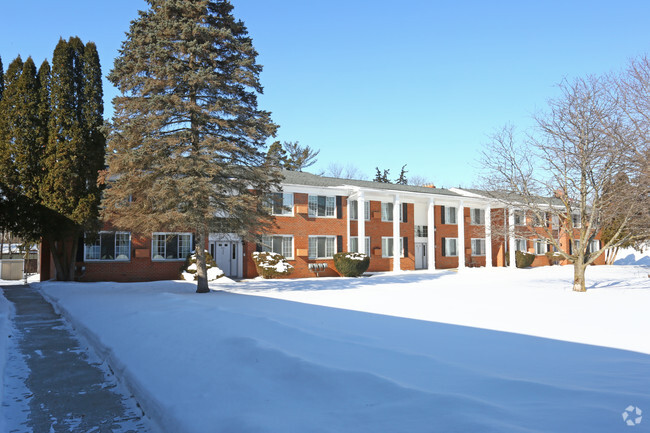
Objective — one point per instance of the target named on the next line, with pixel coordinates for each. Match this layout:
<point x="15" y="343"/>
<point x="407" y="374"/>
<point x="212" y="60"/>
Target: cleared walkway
<point x="51" y="385"/>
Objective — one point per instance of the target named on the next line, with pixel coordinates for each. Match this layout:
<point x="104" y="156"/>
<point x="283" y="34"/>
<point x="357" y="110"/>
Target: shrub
<point x="271" y="265"/>
<point x="351" y="264"/>
<point x="523" y="259"/>
<point x="553" y="258"/>
<point x="188" y="272"/>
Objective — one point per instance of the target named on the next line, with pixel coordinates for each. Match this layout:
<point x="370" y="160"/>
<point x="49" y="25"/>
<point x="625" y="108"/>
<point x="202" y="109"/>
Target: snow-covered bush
<point x="189" y="270"/>
<point x="523" y="259"/>
<point x="271" y="265"/>
<point x="554" y="258"/>
<point x="351" y="264"/>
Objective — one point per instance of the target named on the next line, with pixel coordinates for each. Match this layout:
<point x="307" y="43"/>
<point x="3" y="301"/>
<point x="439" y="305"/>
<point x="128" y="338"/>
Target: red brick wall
<point x="444" y="231"/>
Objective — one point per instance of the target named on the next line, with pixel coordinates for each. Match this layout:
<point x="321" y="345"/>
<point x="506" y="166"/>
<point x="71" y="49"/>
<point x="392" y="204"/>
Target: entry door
<point x="421" y="255"/>
<point x="223" y="257"/>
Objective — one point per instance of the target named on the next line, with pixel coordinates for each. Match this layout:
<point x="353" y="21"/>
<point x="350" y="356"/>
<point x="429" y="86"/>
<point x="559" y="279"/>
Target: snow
<point x="485" y="350"/>
<point x="5" y="331"/>
<point x="630" y="256"/>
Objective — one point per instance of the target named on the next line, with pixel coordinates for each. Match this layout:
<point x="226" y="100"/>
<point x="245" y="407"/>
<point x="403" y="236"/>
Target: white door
<point x="222" y="256"/>
<point x="421" y="255"/>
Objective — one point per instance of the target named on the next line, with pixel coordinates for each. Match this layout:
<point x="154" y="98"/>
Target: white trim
<point x="310" y="257"/>
<point x="292" y="256"/>
<point x="154" y="259"/>
<point x="86" y="247"/>
<point x="484" y="246"/>
<point x="288" y="214"/>
<point x="326" y="197"/>
<point x="401" y="247"/>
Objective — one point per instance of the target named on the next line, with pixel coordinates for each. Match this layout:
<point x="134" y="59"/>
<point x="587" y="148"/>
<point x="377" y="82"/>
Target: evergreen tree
<point x="2" y="79"/>
<point x="402" y="180"/>
<point x="74" y="152"/>
<point x="299" y="157"/>
<point x="276" y="155"/>
<point x="187" y="135"/>
<point x="382" y="176"/>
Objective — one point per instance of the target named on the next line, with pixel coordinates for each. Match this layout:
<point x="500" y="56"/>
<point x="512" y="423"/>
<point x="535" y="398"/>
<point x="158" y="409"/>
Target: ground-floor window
<point x="387" y="247"/>
<point x="593" y="246"/>
<point x="354" y="244"/>
<point x="521" y="245"/>
<point x="281" y="244"/>
<point x="322" y="247"/>
<point x="540" y="247"/>
<point x="171" y="246"/>
<point x="449" y="247"/>
<point x="478" y="247"/>
<point x="109" y="246"/>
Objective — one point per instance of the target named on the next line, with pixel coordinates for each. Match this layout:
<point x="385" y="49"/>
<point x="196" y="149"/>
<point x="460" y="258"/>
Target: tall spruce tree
<point x="2" y="79"/>
<point x="74" y="153"/>
<point x="187" y="136"/>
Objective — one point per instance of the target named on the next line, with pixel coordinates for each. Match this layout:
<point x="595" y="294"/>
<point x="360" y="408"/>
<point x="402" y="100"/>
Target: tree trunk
<point x="202" y="269"/>
<point x="579" y="277"/>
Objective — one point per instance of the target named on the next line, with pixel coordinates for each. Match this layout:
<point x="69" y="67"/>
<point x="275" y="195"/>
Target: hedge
<point x="271" y="265"/>
<point x="351" y="264"/>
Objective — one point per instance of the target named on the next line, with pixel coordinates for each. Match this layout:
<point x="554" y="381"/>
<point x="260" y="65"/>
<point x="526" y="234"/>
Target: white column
<point x="396" y="235"/>
<point x="511" y="237"/>
<point x="348" y="225"/>
<point x="431" y="239"/>
<point x="488" y="237"/>
<point x="460" y="220"/>
<point x="361" y="223"/>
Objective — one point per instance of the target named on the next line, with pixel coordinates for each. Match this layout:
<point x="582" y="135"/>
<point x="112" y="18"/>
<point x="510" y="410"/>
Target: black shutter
<point x="406" y="247"/>
<point x="548" y="248"/>
<point x="570" y="246"/>
<point x="339" y="243"/>
<point x="258" y="247"/>
<point x="442" y="215"/>
<point x="405" y="217"/>
<point x="193" y="244"/>
<point x="339" y="207"/>
<point x="80" y="249"/>
<point x="443" y="241"/>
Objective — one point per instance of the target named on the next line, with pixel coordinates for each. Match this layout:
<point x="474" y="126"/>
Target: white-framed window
<point x="451" y="247"/>
<point x="521" y="245"/>
<point x="353" y="207"/>
<point x="281" y="203"/>
<point x="171" y="246"/>
<point x="593" y="246"/>
<point x="387" y="212"/>
<point x="109" y="246"/>
<point x="539" y="221"/>
<point x="322" y="247"/>
<point x="421" y="231"/>
<point x="354" y="244"/>
<point x="575" y="218"/>
<point x="449" y="214"/>
<point x="520" y="218"/>
<point x="478" y="247"/>
<point x="540" y="247"/>
<point x="281" y="244"/>
<point x="387" y="247"/>
<point x="477" y="216"/>
<point x="322" y="206"/>
<point x="555" y="222"/>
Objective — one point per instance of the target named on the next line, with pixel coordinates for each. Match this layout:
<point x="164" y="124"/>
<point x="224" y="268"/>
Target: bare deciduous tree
<point x="348" y="171"/>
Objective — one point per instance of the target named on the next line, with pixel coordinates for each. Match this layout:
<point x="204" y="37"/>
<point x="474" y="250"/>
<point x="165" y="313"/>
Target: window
<point x="593" y="246"/>
<point x="520" y="218"/>
<point x="109" y="246"/>
<point x="281" y="244"/>
<point x="539" y="222"/>
<point x="478" y="216"/>
<point x="575" y="218"/>
<point x="322" y="206"/>
<point x="354" y="244"/>
<point x="421" y="231"/>
<point x="281" y="203"/>
<point x="387" y="212"/>
<point x="448" y="215"/>
<point x="450" y="246"/>
<point x="540" y="247"/>
<point x="322" y="247"/>
<point x="521" y="245"/>
<point x="171" y="246"/>
<point x="354" y="210"/>
<point x="555" y="222"/>
<point x="387" y="247"/>
<point x="478" y="247"/>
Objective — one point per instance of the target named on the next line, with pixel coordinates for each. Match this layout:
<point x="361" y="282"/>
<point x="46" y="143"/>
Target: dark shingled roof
<point x="554" y="201"/>
<point x="309" y="179"/>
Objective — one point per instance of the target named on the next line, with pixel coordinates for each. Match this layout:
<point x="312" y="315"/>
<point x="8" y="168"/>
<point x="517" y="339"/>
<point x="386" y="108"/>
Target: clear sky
<point x="384" y="83"/>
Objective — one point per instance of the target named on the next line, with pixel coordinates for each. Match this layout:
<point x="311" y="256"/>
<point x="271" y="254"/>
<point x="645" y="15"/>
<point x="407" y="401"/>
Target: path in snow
<point x="51" y="385"/>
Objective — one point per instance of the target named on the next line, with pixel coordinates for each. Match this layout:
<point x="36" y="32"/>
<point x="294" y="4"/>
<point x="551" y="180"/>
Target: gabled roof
<point x="309" y="179"/>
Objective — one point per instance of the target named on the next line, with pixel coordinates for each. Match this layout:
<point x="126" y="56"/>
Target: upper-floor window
<point x="171" y="246"/>
<point x="387" y="212"/>
<point x="539" y="220"/>
<point x="478" y="247"/>
<point x="322" y="247"/>
<point x="520" y="218"/>
<point x="353" y="207"/>
<point x="448" y="215"/>
<point x="421" y="231"/>
<point x="322" y="206"/>
<point x="477" y="216"/>
<point x="575" y="219"/>
<point x="281" y="244"/>
<point x="555" y="222"/>
<point x="281" y="203"/>
<point x="109" y="246"/>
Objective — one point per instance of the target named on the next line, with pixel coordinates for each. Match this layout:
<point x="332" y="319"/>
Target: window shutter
<point x="405" y="214"/>
<point x="406" y="247"/>
<point x="193" y="244"/>
<point x="80" y="249"/>
<point x="258" y="247"/>
<point x="443" y="244"/>
<point x="570" y="246"/>
<point x="442" y="217"/>
<point x="339" y="243"/>
<point x="339" y="207"/>
<point x="548" y="248"/>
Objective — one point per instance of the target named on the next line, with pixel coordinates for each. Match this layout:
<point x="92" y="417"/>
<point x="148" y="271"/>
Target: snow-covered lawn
<point x="379" y="354"/>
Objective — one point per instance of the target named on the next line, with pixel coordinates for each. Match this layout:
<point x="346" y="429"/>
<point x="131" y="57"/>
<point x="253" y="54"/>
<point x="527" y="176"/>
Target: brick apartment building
<point x="316" y="217"/>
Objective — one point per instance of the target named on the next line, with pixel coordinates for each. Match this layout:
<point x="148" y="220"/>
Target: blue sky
<point x="384" y="83"/>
